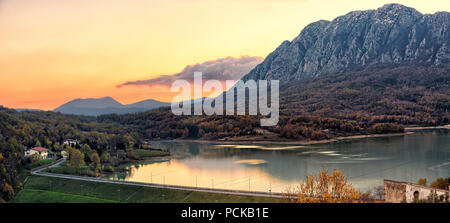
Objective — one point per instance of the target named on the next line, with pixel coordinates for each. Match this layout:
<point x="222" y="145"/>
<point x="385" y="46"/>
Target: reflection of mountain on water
<point x="367" y="161"/>
<point x="188" y="149"/>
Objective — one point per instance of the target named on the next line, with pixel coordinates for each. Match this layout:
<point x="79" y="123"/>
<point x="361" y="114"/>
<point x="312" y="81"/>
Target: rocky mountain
<point x="392" y="34"/>
<point x="106" y="105"/>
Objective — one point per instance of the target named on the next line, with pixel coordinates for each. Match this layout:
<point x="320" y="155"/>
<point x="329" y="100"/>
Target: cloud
<point x="228" y="68"/>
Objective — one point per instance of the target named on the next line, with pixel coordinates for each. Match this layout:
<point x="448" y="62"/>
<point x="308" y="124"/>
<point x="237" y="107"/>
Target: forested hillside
<point x="410" y="94"/>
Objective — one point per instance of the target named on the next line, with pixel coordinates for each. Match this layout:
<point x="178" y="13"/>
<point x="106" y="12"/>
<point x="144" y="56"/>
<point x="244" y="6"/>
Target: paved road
<point x="38" y="171"/>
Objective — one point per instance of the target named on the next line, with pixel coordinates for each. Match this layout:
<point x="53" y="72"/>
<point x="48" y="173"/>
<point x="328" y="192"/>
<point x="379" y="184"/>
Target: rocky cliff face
<point x="392" y="34"/>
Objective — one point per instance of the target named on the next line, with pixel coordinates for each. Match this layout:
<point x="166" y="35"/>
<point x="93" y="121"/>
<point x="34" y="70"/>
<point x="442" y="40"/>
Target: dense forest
<point x="410" y="94"/>
<point x="373" y="101"/>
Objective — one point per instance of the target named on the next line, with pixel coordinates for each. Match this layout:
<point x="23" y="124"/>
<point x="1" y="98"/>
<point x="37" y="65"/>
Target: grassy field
<point x="44" y="196"/>
<point x="39" y="163"/>
<point x="56" y="190"/>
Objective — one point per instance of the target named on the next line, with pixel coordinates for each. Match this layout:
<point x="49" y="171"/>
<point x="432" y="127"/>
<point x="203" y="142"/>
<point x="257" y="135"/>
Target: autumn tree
<point x="96" y="161"/>
<point x="441" y="183"/>
<point x="76" y="159"/>
<point x="324" y="188"/>
<point x="8" y="191"/>
<point x="87" y="152"/>
<point x="422" y="182"/>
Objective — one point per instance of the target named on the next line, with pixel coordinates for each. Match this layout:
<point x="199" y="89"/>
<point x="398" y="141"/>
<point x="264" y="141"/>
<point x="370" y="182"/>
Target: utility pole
<point x="270" y="189"/>
<point x="196" y="184"/>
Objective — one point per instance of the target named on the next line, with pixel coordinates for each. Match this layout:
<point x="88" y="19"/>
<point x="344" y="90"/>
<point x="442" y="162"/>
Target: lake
<point x="425" y="154"/>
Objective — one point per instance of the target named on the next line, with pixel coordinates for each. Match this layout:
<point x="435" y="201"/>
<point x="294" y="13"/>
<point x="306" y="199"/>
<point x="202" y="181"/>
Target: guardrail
<point x="165" y="186"/>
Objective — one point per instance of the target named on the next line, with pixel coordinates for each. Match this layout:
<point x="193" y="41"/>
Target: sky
<point x="53" y="51"/>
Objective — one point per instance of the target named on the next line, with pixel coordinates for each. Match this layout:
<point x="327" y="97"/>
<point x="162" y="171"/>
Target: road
<point x="38" y="172"/>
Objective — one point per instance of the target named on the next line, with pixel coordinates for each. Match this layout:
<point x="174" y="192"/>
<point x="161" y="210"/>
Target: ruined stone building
<point x="399" y="192"/>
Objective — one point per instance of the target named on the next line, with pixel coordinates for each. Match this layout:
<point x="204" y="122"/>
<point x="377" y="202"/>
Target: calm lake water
<point x="366" y="162"/>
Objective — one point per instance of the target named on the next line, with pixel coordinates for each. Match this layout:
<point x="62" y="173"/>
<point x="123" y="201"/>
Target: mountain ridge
<point x="106" y="105"/>
<point x="391" y="34"/>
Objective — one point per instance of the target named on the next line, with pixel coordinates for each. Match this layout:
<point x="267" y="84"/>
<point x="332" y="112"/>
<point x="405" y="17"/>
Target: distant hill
<point x="106" y="105"/>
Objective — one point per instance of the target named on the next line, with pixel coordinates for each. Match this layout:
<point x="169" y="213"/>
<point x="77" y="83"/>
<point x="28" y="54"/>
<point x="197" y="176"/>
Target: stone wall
<point x="398" y="192"/>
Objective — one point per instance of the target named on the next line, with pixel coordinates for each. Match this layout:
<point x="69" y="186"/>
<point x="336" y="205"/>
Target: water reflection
<point x="263" y="167"/>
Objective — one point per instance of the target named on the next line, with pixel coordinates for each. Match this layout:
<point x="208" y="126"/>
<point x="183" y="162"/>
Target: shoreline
<point x="292" y="142"/>
<point x="426" y="128"/>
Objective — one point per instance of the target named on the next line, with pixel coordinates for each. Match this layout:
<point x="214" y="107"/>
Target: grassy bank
<point x="39" y="163"/>
<point x="56" y="190"/>
<point x="140" y="154"/>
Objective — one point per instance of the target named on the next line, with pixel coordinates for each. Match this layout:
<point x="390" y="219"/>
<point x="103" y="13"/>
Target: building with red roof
<point x="40" y="151"/>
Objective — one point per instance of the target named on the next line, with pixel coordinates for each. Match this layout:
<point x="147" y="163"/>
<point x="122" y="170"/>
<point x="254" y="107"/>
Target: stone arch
<point x="416" y="195"/>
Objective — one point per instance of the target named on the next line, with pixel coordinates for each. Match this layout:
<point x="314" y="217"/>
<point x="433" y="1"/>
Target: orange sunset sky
<point x="53" y="51"/>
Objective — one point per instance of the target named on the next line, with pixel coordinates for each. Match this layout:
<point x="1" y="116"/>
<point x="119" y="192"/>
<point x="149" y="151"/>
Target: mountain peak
<point x="105" y="102"/>
<point x="395" y="7"/>
<point x="107" y="98"/>
<point x="397" y="13"/>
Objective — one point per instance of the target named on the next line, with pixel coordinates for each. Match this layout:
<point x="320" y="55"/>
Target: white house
<point x="41" y="152"/>
<point x="71" y="142"/>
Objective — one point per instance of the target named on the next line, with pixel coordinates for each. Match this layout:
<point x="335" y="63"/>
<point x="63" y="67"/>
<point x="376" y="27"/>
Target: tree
<point x="422" y="182"/>
<point x="87" y="151"/>
<point x="96" y="161"/>
<point x="324" y="188"/>
<point x="378" y="193"/>
<point x="76" y="159"/>
<point x="105" y="158"/>
<point x="35" y="158"/>
<point x="56" y="146"/>
<point x="440" y="183"/>
<point x="70" y="150"/>
<point x="192" y="131"/>
<point x="8" y="191"/>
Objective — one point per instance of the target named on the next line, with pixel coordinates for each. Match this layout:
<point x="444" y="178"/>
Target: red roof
<point x="40" y="149"/>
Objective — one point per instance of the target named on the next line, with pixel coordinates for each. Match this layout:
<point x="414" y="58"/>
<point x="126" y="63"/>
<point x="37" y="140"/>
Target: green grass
<point x="43" y="196"/>
<point x="39" y="163"/>
<point x="56" y="190"/>
<point x="23" y="174"/>
<point x="69" y="170"/>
